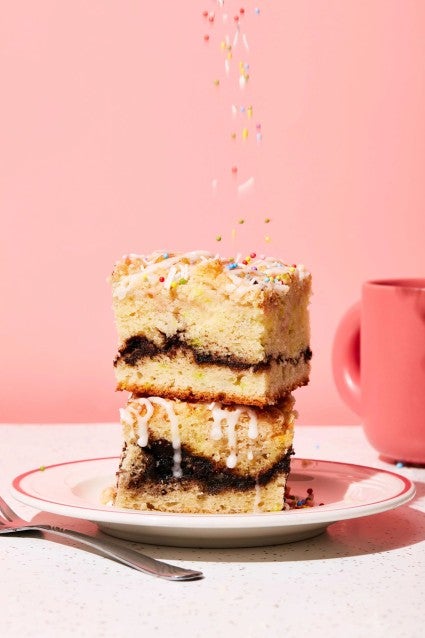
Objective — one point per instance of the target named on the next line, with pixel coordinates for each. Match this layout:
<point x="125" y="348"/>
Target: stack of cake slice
<point x="210" y="349"/>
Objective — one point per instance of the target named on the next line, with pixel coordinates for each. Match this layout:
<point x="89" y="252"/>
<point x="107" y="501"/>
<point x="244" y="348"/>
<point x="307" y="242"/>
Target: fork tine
<point x="7" y="511"/>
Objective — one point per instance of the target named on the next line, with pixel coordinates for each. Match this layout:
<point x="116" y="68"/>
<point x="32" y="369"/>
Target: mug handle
<point x="346" y="359"/>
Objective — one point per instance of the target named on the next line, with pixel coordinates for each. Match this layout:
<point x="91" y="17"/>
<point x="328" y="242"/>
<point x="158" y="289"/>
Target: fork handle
<point x="123" y="554"/>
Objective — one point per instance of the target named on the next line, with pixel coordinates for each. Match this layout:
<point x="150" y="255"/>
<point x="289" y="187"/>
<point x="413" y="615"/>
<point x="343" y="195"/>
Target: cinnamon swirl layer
<point x="177" y="373"/>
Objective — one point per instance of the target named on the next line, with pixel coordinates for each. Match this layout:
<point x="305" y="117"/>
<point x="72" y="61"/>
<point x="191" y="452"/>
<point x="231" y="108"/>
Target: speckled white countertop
<point x="363" y="577"/>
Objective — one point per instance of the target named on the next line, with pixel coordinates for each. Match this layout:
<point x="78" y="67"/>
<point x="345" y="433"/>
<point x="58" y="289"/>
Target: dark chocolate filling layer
<point x="138" y="347"/>
<point x="210" y="475"/>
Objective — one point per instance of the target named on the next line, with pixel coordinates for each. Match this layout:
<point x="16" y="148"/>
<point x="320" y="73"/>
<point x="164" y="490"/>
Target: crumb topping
<point x="171" y="270"/>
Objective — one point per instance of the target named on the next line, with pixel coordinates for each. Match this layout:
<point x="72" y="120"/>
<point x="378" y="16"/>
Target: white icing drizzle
<point x="302" y="272"/>
<point x="130" y="415"/>
<point x="253" y="424"/>
<point x="126" y="417"/>
<point x="170" y="277"/>
<point x="151" y="267"/>
<point x="175" y="435"/>
<point x="142" y="421"/>
<point x="184" y="271"/>
<point x="231" y="417"/>
<point x="216" y="432"/>
<point x="120" y="292"/>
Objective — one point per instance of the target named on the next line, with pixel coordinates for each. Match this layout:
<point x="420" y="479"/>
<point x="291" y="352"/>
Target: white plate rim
<point x="307" y="516"/>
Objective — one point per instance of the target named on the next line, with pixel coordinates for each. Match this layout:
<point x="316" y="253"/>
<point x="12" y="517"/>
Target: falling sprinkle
<point x="227" y="43"/>
<point x="245" y="186"/>
<point x="267" y="220"/>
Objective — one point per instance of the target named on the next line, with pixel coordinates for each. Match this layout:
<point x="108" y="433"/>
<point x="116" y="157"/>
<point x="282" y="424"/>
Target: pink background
<point x="112" y="130"/>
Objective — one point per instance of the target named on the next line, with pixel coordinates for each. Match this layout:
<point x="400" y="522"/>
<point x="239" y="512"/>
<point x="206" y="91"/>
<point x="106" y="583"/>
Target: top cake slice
<point x="196" y="326"/>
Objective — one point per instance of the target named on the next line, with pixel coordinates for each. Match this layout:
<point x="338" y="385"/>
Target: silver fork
<point x="12" y="523"/>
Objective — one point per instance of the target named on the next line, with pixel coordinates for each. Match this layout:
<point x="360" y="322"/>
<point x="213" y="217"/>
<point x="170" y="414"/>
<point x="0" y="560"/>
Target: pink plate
<point x="347" y="491"/>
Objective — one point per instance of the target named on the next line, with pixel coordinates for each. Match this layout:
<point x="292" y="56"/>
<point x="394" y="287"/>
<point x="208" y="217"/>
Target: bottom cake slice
<point x="188" y="457"/>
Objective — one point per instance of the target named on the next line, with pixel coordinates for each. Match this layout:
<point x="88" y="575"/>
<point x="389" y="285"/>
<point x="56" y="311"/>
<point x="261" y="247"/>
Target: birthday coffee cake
<point x="210" y="349"/>
<point x="199" y="327"/>
<point x="193" y="457"/>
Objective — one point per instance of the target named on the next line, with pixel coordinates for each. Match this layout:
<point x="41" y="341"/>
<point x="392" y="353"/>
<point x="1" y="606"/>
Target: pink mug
<point x="379" y="366"/>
